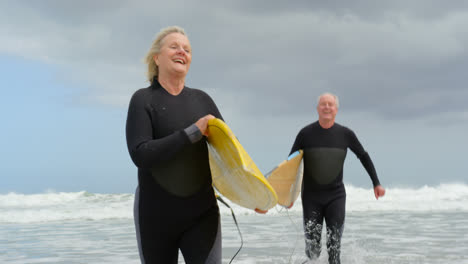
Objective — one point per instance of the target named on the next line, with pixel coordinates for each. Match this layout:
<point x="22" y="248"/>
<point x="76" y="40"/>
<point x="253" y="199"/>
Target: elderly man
<point x="325" y="144"/>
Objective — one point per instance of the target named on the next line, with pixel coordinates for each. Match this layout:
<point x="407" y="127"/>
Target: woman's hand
<point x="202" y="124"/>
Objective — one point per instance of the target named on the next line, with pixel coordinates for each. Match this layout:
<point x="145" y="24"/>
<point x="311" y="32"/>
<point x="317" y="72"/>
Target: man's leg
<point x="313" y="222"/>
<point x="334" y="217"/>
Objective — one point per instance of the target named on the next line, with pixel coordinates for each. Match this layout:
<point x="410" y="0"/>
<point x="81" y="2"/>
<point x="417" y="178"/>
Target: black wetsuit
<point x="175" y="205"/>
<point x="323" y="191"/>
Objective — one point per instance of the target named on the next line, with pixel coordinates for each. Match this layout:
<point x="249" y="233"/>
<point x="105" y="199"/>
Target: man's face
<point x="326" y="108"/>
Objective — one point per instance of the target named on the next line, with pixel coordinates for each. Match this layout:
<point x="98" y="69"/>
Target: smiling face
<point x="175" y="55"/>
<point x="327" y="108"/>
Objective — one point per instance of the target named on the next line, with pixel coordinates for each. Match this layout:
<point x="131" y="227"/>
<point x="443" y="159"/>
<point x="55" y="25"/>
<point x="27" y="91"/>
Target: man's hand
<point x="261" y="211"/>
<point x="379" y="191"/>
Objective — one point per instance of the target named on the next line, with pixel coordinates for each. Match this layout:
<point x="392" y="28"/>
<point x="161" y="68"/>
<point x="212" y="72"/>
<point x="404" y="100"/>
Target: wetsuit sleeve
<point x="364" y="157"/>
<point x="193" y="132"/>
<point x="297" y="143"/>
<point x="214" y="109"/>
<point x="144" y="150"/>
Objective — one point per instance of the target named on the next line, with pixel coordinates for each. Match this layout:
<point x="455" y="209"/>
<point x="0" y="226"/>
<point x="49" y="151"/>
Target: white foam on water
<point x="21" y="208"/>
<point x="57" y="206"/>
<point x="445" y="197"/>
<point x="64" y="234"/>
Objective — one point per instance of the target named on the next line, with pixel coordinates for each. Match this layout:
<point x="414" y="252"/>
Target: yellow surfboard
<point x="234" y="174"/>
<point x="286" y="179"/>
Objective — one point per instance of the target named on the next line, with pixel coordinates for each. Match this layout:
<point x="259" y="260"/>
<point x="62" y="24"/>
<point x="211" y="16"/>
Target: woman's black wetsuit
<point x="323" y="191"/>
<point x="175" y="205"/>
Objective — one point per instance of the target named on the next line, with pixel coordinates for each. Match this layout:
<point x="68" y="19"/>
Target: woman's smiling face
<point x="175" y="55"/>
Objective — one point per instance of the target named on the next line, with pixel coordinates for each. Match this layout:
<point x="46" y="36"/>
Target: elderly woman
<point x="175" y="205"/>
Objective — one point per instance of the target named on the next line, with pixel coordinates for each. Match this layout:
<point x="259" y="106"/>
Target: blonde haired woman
<point x="175" y="206"/>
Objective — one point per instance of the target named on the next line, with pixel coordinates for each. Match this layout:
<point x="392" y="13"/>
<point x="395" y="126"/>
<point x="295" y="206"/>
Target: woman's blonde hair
<point x="156" y="48"/>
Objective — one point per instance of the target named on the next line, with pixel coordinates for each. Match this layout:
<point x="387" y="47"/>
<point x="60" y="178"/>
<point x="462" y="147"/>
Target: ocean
<point x="409" y="225"/>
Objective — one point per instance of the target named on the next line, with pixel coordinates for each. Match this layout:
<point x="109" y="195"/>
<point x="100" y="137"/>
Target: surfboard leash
<point x="237" y="225"/>
<point x="297" y="235"/>
<point x="295" y="228"/>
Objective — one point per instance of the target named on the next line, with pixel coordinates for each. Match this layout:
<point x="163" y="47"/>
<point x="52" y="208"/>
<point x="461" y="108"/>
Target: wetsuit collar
<point x="333" y="124"/>
<point x="155" y="83"/>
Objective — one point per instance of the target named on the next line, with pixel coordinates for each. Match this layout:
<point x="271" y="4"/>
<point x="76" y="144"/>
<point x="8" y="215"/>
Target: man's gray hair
<point x="337" y="101"/>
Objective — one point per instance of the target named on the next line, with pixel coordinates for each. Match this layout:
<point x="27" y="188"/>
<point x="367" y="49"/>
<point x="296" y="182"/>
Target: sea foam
<point x="60" y="206"/>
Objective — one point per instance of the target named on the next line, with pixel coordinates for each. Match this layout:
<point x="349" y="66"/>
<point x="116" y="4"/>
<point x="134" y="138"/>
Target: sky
<point x="69" y="68"/>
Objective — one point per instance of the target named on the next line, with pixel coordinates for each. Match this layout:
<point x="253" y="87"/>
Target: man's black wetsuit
<point x="323" y="192"/>
<point x="175" y="205"/>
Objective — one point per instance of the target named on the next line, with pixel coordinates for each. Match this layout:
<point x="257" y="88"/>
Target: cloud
<point x="398" y="60"/>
